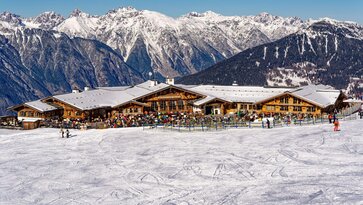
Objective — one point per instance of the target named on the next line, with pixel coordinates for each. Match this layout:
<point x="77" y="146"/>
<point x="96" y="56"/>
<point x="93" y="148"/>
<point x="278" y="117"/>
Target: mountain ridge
<point x="322" y="53"/>
<point x="171" y="46"/>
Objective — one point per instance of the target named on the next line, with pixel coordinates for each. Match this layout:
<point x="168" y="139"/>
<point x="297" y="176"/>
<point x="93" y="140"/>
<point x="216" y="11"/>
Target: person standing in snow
<point x="330" y="117"/>
<point x="268" y="123"/>
<point x="62" y="132"/>
<point x="67" y="133"/>
<point x="336" y="125"/>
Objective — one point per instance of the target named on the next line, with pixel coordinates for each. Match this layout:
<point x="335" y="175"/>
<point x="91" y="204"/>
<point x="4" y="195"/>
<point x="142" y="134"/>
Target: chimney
<point x="169" y="81"/>
<point x="234" y="83"/>
<point x="153" y="83"/>
<point x="75" y="90"/>
<point x="86" y="88"/>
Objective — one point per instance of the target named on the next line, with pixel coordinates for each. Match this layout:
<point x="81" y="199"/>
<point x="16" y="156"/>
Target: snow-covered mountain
<point x="149" y="40"/>
<point x="124" y="45"/>
<point x="46" y="20"/>
<point x="35" y="62"/>
<point x="328" y="52"/>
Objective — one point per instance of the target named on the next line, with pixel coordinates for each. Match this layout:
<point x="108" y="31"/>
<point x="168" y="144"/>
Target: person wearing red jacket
<point x="336" y="125"/>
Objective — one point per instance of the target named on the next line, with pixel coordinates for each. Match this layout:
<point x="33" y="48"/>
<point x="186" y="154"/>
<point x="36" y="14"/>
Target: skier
<point x="62" y="132"/>
<point x="336" y="125"/>
<point x="67" y="133"/>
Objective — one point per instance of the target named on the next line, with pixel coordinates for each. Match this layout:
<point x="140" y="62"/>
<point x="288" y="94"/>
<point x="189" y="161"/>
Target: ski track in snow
<point x="295" y="165"/>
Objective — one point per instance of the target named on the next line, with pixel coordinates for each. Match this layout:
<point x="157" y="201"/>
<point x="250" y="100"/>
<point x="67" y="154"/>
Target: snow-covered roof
<point x="39" y="105"/>
<point x="114" y="88"/>
<point x="116" y="96"/>
<point x="31" y="119"/>
<point x="353" y="101"/>
<point x="247" y="94"/>
<point x="93" y="99"/>
<point x="109" y="96"/>
<point x="204" y="100"/>
<point x="319" y="94"/>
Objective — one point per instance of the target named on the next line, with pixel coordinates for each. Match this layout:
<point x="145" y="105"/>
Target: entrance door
<point x="208" y="110"/>
<point x="217" y="111"/>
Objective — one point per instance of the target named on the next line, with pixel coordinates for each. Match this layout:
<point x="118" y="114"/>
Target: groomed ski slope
<point x="295" y="165"/>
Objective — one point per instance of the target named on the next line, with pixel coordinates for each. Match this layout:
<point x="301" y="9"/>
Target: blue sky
<point x="339" y="9"/>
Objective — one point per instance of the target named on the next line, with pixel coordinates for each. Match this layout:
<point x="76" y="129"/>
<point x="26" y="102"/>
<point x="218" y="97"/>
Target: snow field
<point x="294" y="165"/>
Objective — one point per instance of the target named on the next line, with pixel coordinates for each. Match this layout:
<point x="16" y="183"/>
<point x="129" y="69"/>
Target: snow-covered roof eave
<point x="293" y="94"/>
<point x="39" y="109"/>
<point x="206" y="100"/>
<point x="131" y="101"/>
<point x="70" y="104"/>
<point x="31" y="106"/>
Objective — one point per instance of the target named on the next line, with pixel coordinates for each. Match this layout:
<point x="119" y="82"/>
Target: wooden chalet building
<point x="111" y="102"/>
<point x="313" y="100"/>
<point x="31" y="113"/>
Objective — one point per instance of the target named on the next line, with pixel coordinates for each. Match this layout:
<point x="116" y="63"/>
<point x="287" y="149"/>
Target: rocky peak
<point x="78" y="13"/>
<point x="11" y="18"/>
<point x="264" y="17"/>
<point x="48" y="20"/>
<point x="123" y="10"/>
<point x="192" y="14"/>
<point x="205" y="14"/>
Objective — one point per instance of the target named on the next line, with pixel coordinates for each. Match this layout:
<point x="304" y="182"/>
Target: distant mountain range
<point x="328" y="52"/>
<point x="171" y="47"/>
<point x="50" y="54"/>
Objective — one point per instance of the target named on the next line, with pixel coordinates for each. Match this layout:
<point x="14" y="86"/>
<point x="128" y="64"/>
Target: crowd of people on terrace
<point x="175" y="119"/>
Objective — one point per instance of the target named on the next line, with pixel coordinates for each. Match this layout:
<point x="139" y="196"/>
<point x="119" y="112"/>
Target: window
<point x="136" y="109"/>
<point x="154" y="106"/>
<point x="311" y="109"/>
<point x="297" y="100"/>
<point x="259" y="107"/>
<point x="69" y="113"/>
<point x="30" y="114"/>
<point x="284" y="100"/>
<point x="172" y="105"/>
<point x="78" y="113"/>
<point x="130" y="110"/>
<point x="22" y="114"/>
<point x="297" y="109"/>
<point x="162" y="105"/>
<point x="180" y="105"/>
<point x="270" y="108"/>
<point x="284" y="108"/>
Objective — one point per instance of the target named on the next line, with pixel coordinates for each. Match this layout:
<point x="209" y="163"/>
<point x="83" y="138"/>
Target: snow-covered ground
<point x="293" y="165"/>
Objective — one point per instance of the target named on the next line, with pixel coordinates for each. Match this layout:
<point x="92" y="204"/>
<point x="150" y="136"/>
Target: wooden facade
<point x="130" y="108"/>
<point x="215" y="107"/>
<point x="24" y="111"/>
<point x="31" y="125"/>
<point x="68" y="111"/>
<point x="288" y="104"/>
<point x="170" y="100"/>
